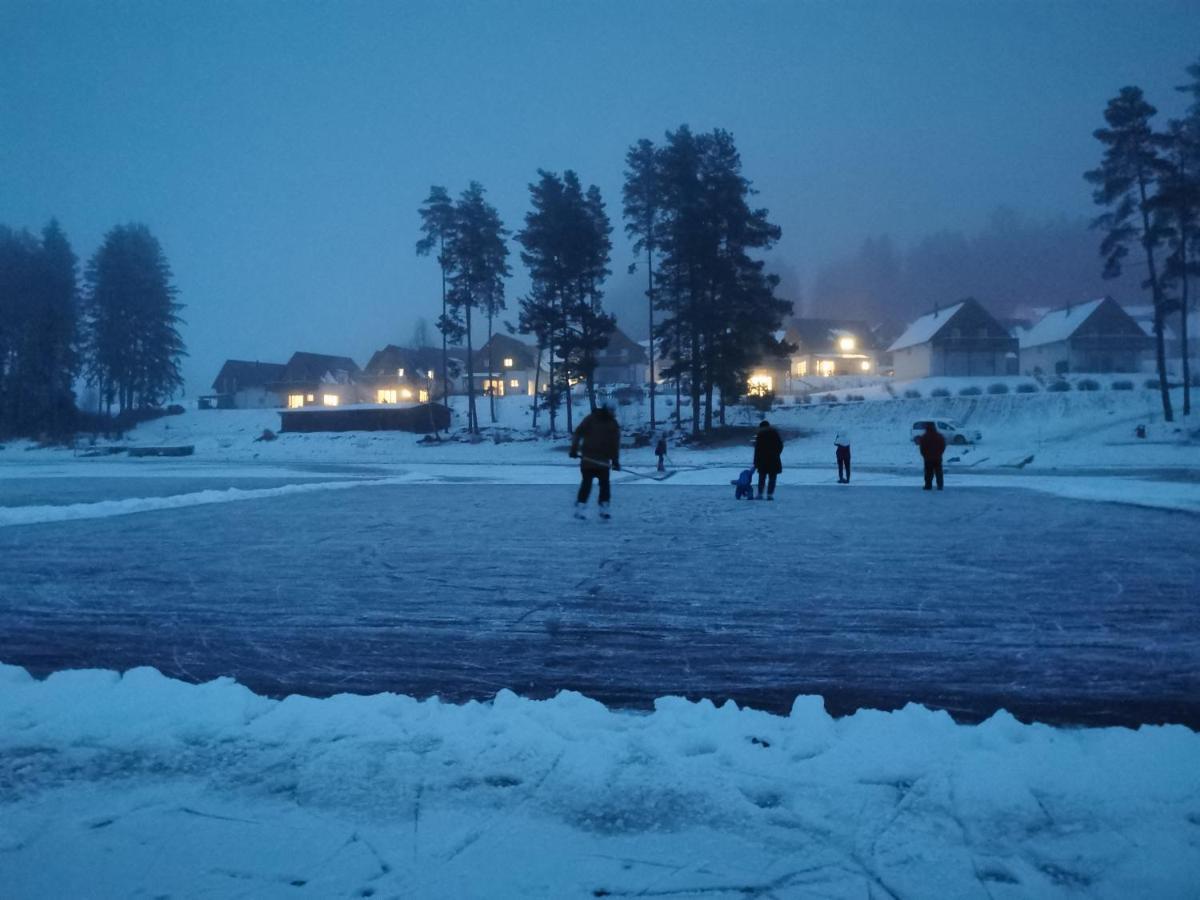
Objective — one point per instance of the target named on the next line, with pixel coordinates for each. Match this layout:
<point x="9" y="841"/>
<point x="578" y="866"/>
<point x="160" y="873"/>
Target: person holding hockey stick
<point x="597" y="445"/>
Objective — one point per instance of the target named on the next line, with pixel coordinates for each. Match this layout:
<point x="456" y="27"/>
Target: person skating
<point x="768" y="447"/>
<point x="597" y="445"/>
<point x="841" y="443"/>
<point x="660" y="450"/>
<point x="933" y="445"/>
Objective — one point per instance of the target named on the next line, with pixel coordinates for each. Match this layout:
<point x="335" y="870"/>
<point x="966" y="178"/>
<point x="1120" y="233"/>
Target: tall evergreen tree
<point x="721" y="311"/>
<point x="643" y="203"/>
<point x="1125" y="183"/>
<point x="478" y="264"/>
<point x="437" y="224"/>
<point x="38" y="325"/>
<point x="131" y="339"/>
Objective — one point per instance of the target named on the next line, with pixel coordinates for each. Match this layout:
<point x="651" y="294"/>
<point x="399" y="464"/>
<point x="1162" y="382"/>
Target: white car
<point x="952" y="431"/>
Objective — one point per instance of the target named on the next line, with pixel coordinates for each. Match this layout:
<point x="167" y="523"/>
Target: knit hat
<point x="764" y="424"/>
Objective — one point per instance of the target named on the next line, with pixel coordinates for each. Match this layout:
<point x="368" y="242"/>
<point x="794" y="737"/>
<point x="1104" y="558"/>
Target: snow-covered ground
<point x="1073" y="430"/>
<point x="138" y="785"/>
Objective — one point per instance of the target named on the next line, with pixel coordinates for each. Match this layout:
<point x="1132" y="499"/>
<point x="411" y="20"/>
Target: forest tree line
<point x="687" y="206"/>
<point x="116" y="329"/>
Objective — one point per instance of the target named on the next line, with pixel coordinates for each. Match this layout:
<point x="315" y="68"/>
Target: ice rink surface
<point x="971" y="600"/>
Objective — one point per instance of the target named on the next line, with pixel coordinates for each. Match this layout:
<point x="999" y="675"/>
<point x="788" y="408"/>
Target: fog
<point x="280" y="151"/>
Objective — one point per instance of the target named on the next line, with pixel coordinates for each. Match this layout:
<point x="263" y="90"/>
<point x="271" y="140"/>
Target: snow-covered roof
<point x="1058" y="324"/>
<point x="924" y="328"/>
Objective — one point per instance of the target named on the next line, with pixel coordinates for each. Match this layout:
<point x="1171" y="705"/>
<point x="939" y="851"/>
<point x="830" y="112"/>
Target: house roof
<point x="316" y="367"/>
<point x="1058" y="324"/>
<point x="243" y="374"/>
<point x="925" y="328"/>
<point x="821" y="335"/>
<point x="622" y="350"/>
<point x="419" y="359"/>
<point x="524" y="355"/>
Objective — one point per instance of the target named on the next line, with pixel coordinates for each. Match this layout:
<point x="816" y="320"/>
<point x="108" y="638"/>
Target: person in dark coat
<point x="660" y="450"/>
<point x="841" y="443"/>
<point x="933" y="445"/>
<point x="768" y="447"/>
<point x="597" y="446"/>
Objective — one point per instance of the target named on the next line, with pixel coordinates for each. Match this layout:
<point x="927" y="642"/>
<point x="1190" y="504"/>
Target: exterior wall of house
<point x="256" y="398"/>
<point x="813" y="365"/>
<point x="315" y="394"/>
<point x="633" y="373"/>
<point x="913" y="362"/>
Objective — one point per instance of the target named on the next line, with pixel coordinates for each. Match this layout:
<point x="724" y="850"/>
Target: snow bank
<point x="137" y="785"/>
<point x="30" y="515"/>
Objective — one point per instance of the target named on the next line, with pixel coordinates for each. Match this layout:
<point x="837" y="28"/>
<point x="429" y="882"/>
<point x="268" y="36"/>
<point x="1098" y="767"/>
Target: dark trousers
<point x="768" y="480"/>
<point x="661" y="467"/>
<point x="843" y="461"/>
<point x="933" y="469"/>
<point x="588" y="471"/>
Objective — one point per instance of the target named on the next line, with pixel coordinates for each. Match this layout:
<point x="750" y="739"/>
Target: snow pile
<point x="156" y="787"/>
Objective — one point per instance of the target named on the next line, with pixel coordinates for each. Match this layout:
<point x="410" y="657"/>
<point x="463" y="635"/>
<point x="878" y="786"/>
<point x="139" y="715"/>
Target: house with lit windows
<point x="317" y="379"/>
<point x="505" y="366"/>
<point x="411" y="374"/>
<point x="828" y="347"/>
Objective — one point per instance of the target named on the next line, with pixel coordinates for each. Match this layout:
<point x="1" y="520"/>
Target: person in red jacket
<point x="597" y="446"/>
<point x="933" y="445"/>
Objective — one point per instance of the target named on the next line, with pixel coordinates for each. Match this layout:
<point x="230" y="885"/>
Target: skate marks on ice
<point x="971" y="600"/>
<point x="159" y="787"/>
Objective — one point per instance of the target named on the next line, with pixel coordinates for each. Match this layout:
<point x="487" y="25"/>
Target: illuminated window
<point x="311" y="397"/>
<point x="531" y="389"/>
<point x="846" y="344"/>
<point x="295" y="401"/>
<point x="802" y="367"/>
<point x="508" y="362"/>
<point x="385" y="396"/>
<point x="330" y="399"/>
<point x="423" y="396"/>
<point x="400" y="373"/>
<point x="826" y="367"/>
<point x="405" y="394"/>
<point x="429" y="374"/>
<point x="866" y="365"/>
<point x="761" y="385"/>
<point x="513" y="382"/>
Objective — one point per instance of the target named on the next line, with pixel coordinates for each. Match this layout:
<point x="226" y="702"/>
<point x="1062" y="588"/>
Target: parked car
<point x="955" y="433"/>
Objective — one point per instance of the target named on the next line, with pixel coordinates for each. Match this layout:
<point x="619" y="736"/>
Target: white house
<point x="1096" y="336"/>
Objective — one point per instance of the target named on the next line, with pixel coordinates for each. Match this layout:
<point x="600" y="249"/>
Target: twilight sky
<point x="280" y="150"/>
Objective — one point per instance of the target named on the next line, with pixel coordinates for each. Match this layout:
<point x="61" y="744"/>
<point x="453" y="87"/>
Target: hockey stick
<point x="608" y="465"/>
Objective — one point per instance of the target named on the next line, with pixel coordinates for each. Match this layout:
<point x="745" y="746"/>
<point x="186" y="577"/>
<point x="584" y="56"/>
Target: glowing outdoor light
<point x="826" y="367"/>
<point x="406" y="394"/>
<point x="400" y="373"/>
<point x="846" y="344"/>
<point x="761" y="384"/>
<point x="866" y="365"/>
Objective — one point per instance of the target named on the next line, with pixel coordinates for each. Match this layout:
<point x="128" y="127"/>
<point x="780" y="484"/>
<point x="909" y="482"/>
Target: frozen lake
<point x="975" y="599"/>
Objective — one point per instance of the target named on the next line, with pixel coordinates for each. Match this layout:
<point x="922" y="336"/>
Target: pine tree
<point x="38" y="325"/>
<point x="437" y="223"/>
<point x="477" y="266"/>
<point x="1125" y="183"/>
<point x="721" y="311"/>
<point x="131" y="339"/>
<point x="643" y="202"/>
